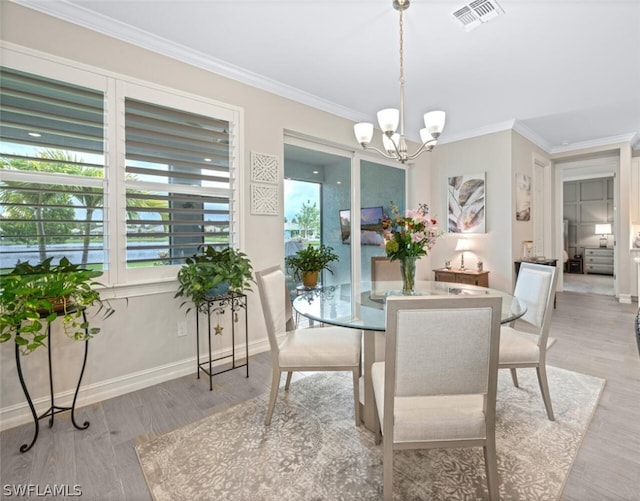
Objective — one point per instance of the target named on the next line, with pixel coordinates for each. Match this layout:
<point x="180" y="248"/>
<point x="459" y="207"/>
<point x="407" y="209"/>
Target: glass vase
<point x="408" y="271"/>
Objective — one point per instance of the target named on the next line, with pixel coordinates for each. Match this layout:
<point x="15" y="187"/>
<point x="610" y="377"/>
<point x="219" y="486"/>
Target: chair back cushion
<point x="535" y="288"/>
<point x="276" y="306"/>
<point x="430" y="343"/>
<point x="383" y="269"/>
<point x="442" y="346"/>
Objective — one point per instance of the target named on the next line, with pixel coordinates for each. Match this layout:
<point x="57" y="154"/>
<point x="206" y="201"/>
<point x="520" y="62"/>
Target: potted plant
<point x="308" y="262"/>
<point x="212" y="272"/>
<point x="33" y="296"/>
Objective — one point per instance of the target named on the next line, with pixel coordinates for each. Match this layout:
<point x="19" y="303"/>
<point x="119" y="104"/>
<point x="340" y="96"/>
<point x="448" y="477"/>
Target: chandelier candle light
<point x="388" y="119"/>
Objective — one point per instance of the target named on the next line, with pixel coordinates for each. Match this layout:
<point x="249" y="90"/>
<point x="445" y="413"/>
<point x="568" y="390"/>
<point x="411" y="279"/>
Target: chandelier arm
<point x="383" y="153"/>
<point x="425" y="146"/>
<point x="397" y="155"/>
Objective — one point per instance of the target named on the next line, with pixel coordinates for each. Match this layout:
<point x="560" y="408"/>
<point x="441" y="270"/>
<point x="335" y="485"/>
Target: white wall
<point x="490" y="154"/>
<point x="139" y="345"/>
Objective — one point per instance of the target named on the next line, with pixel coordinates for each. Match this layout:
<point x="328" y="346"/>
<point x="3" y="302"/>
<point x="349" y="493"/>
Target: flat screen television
<point x="370" y="225"/>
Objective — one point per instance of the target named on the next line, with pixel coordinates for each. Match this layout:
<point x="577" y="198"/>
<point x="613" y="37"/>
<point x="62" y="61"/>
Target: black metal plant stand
<point x="53" y="409"/>
<point x="233" y="301"/>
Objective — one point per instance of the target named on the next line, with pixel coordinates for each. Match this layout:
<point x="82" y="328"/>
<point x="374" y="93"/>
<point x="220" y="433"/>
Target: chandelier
<point x="395" y="144"/>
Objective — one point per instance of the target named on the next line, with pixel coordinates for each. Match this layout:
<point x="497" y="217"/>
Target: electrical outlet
<point x="182" y="328"/>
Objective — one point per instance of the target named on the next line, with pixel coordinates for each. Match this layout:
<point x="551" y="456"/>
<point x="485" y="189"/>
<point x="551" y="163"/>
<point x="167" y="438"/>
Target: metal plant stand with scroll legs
<point x="53" y="409"/>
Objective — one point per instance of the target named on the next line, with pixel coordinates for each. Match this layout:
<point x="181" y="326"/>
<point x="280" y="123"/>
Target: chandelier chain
<point x="395" y="144"/>
<point x="401" y="49"/>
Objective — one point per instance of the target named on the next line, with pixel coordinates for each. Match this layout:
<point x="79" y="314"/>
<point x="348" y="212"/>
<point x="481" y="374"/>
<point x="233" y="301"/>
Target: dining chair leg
<point x="491" y="467"/>
<point x="544" y="389"/>
<point x="387" y="469"/>
<point x="275" y="382"/>
<point x="356" y="393"/>
<point x="514" y="376"/>
<point x="288" y="383"/>
<point x="378" y="426"/>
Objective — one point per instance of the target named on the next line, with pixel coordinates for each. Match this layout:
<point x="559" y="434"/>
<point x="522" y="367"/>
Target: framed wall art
<point x="523" y="197"/>
<point x="466" y="203"/>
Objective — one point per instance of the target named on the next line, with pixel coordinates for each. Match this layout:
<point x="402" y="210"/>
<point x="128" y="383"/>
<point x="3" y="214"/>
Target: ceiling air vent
<point x="476" y="13"/>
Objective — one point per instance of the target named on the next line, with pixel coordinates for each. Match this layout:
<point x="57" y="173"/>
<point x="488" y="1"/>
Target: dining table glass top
<point x="333" y="304"/>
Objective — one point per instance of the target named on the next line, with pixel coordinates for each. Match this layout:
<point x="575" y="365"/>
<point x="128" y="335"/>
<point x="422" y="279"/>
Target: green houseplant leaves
<point x="33" y="296"/>
<point x="209" y="268"/>
<point x="311" y="259"/>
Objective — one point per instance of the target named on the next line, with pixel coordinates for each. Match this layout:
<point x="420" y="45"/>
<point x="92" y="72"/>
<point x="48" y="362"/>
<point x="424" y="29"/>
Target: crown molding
<point x="630" y="138"/>
<point x="535" y="138"/>
<point x="85" y="18"/>
<point x="480" y="131"/>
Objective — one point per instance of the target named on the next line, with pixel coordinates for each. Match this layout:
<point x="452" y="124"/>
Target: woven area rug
<point x="313" y="451"/>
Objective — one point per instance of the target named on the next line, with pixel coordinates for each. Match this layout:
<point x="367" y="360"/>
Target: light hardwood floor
<point x="595" y="336"/>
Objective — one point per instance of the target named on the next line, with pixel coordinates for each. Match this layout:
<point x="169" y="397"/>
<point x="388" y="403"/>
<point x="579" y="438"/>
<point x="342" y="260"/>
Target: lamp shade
<point x="363" y="132"/>
<point x="462" y="245"/>
<point x="388" y="119"/>
<point x="434" y="122"/>
<point x="603" y="229"/>
<point x="388" y="142"/>
<point x="426" y="136"/>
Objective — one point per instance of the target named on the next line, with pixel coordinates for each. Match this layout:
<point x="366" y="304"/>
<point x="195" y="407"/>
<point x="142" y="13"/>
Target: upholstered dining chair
<point x="527" y="344"/>
<point x="312" y="349"/>
<point x="383" y="269"/>
<point x="437" y="386"/>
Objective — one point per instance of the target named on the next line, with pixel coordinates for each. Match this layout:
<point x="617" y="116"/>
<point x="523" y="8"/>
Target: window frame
<point x="116" y="87"/>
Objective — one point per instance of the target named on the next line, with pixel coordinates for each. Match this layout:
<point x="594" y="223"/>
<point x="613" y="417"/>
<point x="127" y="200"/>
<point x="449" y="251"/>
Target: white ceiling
<point x="565" y="72"/>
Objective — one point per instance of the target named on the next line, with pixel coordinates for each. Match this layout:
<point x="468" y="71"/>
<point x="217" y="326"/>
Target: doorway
<point x="588" y="189"/>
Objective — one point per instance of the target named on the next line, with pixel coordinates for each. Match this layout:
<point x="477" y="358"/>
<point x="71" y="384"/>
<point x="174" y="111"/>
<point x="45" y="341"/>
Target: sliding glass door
<point x="380" y="186"/>
<point x="321" y="207"/>
<point x="317" y="193"/>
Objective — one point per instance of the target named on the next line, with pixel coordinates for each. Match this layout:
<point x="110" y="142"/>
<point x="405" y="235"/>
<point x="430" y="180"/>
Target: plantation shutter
<point x="179" y="183"/>
<point x="52" y="177"/>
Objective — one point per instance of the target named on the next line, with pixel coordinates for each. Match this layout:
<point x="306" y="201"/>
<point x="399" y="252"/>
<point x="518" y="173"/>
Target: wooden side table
<point x="469" y="277"/>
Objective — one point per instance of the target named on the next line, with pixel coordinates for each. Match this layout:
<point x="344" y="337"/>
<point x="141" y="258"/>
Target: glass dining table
<point x="338" y="305"/>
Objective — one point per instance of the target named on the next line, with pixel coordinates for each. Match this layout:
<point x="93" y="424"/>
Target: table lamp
<point x="603" y="230"/>
<point x="462" y="245"/>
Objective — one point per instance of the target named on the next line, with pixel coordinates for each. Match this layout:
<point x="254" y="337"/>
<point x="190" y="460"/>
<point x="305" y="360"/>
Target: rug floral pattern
<point x="313" y="451"/>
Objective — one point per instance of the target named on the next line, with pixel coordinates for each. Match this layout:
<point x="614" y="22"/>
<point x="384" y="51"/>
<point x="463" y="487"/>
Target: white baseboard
<point x="625" y="298"/>
<point x="16" y="415"/>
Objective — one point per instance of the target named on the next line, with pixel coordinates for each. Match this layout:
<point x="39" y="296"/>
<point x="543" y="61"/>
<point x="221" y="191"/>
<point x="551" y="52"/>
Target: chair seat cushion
<point x="321" y="347"/>
<point x="518" y="347"/>
<point x="432" y="418"/>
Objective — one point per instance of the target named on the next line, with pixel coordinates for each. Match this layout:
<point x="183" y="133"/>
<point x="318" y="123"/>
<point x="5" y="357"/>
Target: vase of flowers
<point x="407" y="238"/>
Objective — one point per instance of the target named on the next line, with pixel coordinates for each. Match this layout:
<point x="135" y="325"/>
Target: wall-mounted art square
<point x="523" y="197"/>
<point x="264" y="200"/>
<point x="466" y="203"/>
<point x="264" y="168"/>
